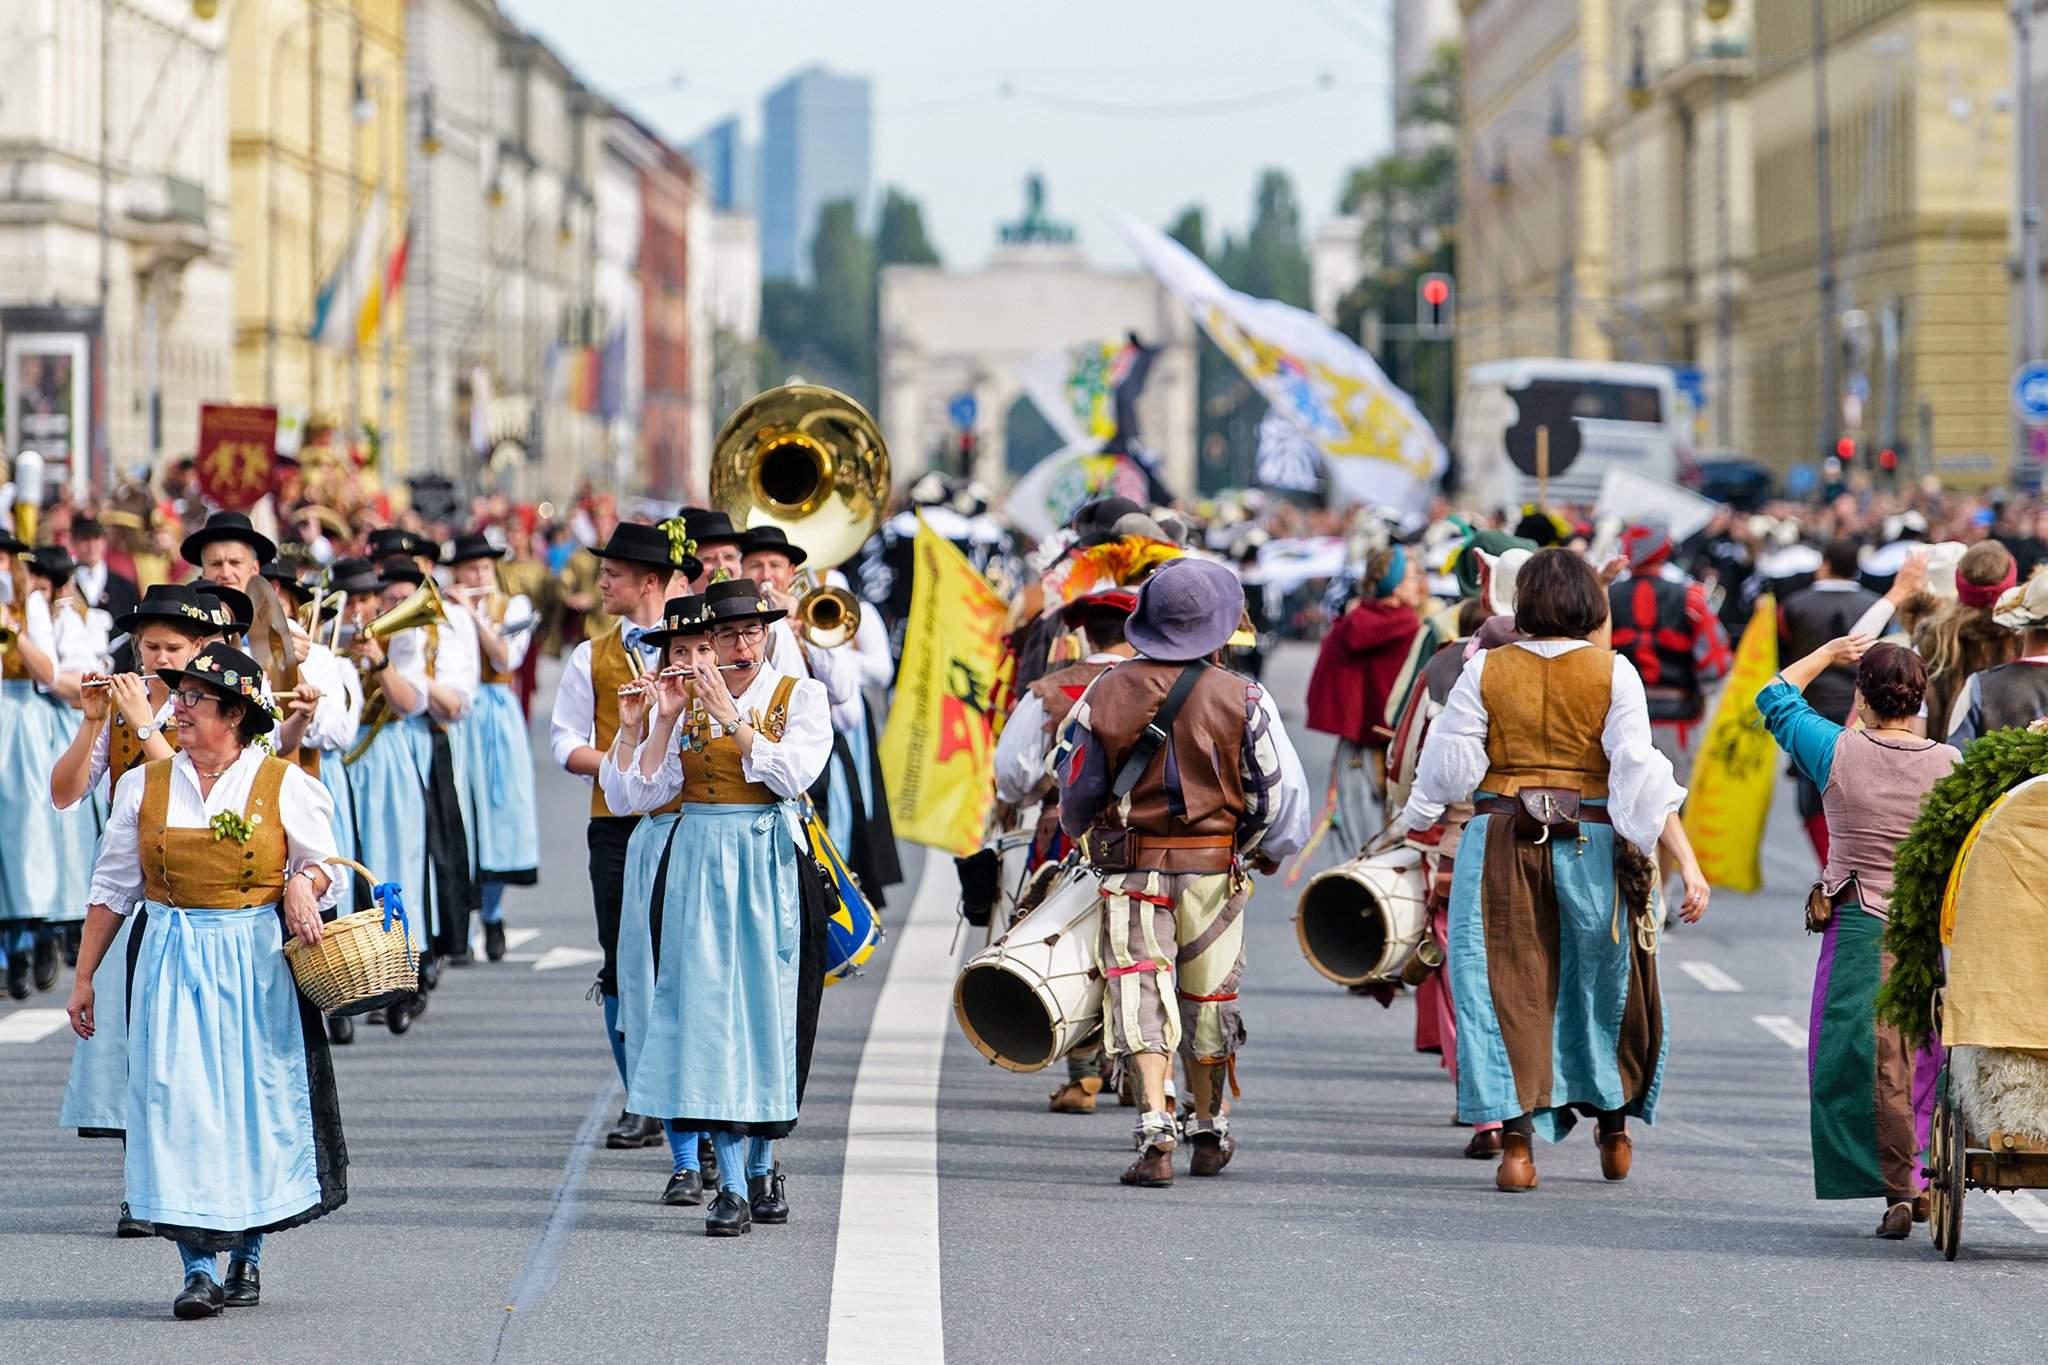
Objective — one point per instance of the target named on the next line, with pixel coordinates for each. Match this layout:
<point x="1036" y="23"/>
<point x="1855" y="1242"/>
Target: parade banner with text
<point x="1731" y="783"/>
<point x="938" y="750"/>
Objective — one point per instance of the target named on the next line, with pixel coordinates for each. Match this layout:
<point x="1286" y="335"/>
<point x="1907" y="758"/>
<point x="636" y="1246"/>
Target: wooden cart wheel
<point x="1937" y="1176"/>
<point x="1955" y="1176"/>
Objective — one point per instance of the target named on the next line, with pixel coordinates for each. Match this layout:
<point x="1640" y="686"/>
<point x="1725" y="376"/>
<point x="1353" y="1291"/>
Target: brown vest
<point x="1206" y="745"/>
<point x="712" y="768"/>
<point x="194" y="869"/>
<point x="1058" y="691"/>
<point x="609" y="671"/>
<point x="1545" y="718"/>
<point x="124" y="750"/>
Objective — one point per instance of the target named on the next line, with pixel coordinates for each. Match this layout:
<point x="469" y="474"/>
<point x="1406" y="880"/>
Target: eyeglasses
<point x="190" y="697"/>
<point x="740" y="635"/>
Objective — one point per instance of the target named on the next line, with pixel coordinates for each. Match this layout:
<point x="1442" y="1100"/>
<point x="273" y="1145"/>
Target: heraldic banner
<point x="237" y="449"/>
<point x="1731" y="781"/>
<point x="938" y="749"/>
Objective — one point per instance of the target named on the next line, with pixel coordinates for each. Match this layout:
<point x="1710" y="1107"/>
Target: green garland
<point x="1994" y="765"/>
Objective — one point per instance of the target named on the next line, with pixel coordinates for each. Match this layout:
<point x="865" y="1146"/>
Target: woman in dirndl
<point x="1871" y="1091"/>
<point x="683" y="636"/>
<point x="733" y="1005"/>
<point x="234" y="1130"/>
<point x="387" y="770"/>
<point x="1553" y="926"/>
<point x="498" y="770"/>
<point x="47" y="855"/>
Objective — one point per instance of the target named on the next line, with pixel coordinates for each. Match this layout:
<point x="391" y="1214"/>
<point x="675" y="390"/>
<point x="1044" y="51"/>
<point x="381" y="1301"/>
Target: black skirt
<point x="455" y="892"/>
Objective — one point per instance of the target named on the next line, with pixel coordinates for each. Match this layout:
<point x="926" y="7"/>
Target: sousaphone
<point x="809" y="460"/>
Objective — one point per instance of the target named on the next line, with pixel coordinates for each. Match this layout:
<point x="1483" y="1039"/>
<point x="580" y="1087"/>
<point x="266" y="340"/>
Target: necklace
<point x="209" y="776"/>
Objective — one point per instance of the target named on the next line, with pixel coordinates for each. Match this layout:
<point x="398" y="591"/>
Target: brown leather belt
<point x="1183" y="852"/>
<point x="1507" y="805"/>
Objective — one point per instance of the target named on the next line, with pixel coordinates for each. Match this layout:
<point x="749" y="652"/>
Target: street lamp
<point x="1638" y="87"/>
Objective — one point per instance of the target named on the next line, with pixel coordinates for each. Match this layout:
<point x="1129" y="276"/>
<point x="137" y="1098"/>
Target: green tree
<point x="899" y="232"/>
<point x="1271" y="262"/>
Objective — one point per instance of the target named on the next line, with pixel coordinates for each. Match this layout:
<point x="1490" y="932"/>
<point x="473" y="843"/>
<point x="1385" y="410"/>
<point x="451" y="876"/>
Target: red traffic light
<point x="1888" y="459"/>
<point x="1845" y="448"/>
<point x="1436" y="291"/>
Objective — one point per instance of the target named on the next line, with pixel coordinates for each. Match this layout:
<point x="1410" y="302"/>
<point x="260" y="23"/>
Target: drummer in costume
<point x="234" y="1131"/>
<point x="126" y="725"/>
<point x="733" y="1011"/>
<point x="1872" y="1091"/>
<point x="1022" y="777"/>
<point x="634" y="569"/>
<point x="387" y="772"/>
<point x="454" y="670"/>
<point x="771" y="560"/>
<point x="1174" y="775"/>
<point x="1554" y="880"/>
<point x="499" y="775"/>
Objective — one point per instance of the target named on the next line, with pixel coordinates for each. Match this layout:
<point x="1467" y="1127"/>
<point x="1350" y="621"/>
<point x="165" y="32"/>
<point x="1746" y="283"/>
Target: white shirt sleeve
<point x="1876" y="618"/>
<point x="573" y="724"/>
<point x="339" y="712"/>
<point x="1288" y="825"/>
<point x="1020" y="753"/>
<point x="1642" y="791"/>
<point x="517" y="613"/>
<point x="871" y="641"/>
<point x="790" y="765"/>
<point x="407" y="651"/>
<point x="81" y="646"/>
<point x="1453" y="761"/>
<point x="839" y="670"/>
<point x="628" y="791"/>
<point x="458" y="662"/>
<point x="96" y="765"/>
<point x="117" y="872"/>
<point x="308" y="811"/>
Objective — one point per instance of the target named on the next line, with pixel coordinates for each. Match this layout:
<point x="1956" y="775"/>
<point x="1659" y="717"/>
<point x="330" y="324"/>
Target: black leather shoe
<point x="341" y="1030"/>
<point x="201" y="1298"/>
<point x="685" y="1189"/>
<point x="128" y="1225"/>
<point x="728" y="1216"/>
<point x="634" y="1130"/>
<point x="765" y="1198"/>
<point x="494" y="942"/>
<point x="72" y="935"/>
<point x="244" y="1287"/>
<point x="47" y="964"/>
<point x="18" y="987"/>
<point x="430" y="971"/>
<point x="462" y="958"/>
<point x="707" y="1157"/>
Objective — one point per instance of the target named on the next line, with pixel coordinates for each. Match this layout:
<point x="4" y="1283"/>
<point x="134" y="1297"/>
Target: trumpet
<point x="825" y="617"/>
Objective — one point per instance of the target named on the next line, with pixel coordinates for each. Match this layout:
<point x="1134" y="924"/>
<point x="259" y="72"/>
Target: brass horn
<point x="422" y="607"/>
<point x="807" y="459"/>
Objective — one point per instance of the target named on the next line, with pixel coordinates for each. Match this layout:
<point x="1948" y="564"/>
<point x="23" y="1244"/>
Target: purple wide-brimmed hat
<point x="1186" y="611"/>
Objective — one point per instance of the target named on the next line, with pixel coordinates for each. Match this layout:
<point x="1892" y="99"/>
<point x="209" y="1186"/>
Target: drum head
<point x="1004" y="1017"/>
<point x="1343" y="932"/>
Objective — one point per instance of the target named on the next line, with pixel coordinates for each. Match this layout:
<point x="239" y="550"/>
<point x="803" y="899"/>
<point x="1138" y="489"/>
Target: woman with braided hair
<point x="1962" y="640"/>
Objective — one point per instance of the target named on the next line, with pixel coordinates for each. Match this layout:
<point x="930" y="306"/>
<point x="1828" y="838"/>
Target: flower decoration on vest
<point x="230" y="825"/>
<point x="680" y="546"/>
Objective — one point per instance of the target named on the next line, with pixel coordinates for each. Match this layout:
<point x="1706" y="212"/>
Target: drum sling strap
<point x="1156" y="732"/>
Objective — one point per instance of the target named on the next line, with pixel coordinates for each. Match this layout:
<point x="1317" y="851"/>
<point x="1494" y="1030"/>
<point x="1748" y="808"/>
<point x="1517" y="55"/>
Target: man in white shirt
<point x="635" y="566"/>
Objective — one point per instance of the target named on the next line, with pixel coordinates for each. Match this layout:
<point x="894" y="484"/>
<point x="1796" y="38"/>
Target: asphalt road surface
<point x="942" y="1213"/>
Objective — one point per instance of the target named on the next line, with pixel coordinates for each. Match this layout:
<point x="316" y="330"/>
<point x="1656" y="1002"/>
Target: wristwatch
<point x="143" y="733"/>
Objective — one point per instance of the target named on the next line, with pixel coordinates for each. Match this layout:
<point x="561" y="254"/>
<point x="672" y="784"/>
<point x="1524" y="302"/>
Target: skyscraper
<point x="727" y="161"/>
<point x="815" y="148"/>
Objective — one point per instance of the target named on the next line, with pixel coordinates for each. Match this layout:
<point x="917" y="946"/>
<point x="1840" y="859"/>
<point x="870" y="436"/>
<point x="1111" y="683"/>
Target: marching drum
<point x="1363" y="920"/>
<point x="1028" y="998"/>
<point x="853" y="929"/>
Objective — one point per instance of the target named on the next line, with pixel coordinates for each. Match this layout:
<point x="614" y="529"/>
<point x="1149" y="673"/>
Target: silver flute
<point x="107" y="680"/>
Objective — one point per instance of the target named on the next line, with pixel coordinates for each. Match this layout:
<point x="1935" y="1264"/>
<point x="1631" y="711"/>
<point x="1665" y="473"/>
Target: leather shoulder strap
<point x="1153" y="737"/>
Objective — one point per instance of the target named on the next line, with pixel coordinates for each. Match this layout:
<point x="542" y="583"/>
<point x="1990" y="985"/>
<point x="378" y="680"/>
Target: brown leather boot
<point x="1484" y="1146"/>
<point x="1210" y="1146"/>
<point x="1922" y="1209"/>
<point x="1617" y="1152"/>
<point x="1076" y="1096"/>
<point x="1897" y="1223"/>
<point x="1517" y="1170"/>
<point x="1153" y="1169"/>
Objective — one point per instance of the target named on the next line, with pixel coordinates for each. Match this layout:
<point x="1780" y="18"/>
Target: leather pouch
<point x="1109" y="850"/>
<point x="1546" y="813"/>
<point x="1820" y="906"/>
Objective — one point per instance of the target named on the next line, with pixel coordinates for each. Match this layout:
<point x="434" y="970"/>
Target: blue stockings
<point x="250" y="1253"/>
<point x="494" y="894"/>
<point x="682" y="1149"/>
<point x="614" y="1037"/>
<point x="741" y="1158"/>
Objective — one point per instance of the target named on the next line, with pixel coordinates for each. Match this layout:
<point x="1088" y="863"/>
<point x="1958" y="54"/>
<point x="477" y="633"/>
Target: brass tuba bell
<point x="807" y="459"/>
<point x="422" y="607"/>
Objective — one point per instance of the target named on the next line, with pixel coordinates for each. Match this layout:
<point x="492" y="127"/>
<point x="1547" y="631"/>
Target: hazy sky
<point x="1297" y="84"/>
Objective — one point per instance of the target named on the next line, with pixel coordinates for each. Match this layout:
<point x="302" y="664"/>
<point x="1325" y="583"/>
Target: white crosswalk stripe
<point x="1710" y="976"/>
<point x="1783" y="1028"/>
<point x="31" y="1026"/>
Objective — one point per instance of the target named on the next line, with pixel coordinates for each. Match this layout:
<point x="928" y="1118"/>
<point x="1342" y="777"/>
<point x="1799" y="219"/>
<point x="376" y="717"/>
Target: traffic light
<point x="1888" y="460"/>
<point x="1436" y="306"/>
<point x="1845" y="449"/>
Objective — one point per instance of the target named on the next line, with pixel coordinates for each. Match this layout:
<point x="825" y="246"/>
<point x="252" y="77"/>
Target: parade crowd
<point x="213" y="723"/>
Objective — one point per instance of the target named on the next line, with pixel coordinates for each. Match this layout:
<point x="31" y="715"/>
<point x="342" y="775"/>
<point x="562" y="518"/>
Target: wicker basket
<point x="358" y="965"/>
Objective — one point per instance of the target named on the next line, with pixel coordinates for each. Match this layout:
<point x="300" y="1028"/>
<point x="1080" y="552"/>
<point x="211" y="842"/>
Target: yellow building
<point x="317" y="152"/>
<point x="1920" y="177"/>
<point x="1537" y="235"/>
<point x="1676" y="134"/>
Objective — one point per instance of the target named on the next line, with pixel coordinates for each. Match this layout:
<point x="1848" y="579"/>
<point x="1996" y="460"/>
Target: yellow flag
<point x="938" y="749"/>
<point x="1735" y="772"/>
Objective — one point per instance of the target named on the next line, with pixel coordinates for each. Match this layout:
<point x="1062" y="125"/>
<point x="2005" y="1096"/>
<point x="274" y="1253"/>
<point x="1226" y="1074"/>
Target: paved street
<point x="485" y="1223"/>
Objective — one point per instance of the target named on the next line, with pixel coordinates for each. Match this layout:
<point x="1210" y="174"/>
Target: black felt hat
<point x="651" y="547"/>
<point x="172" y="604"/>
<point x="774" y="539"/>
<point x="228" y="526"/>
<point x="680" y="616"/>
<point x="391" y="540"/>
<point x="711" y="528"/>
<point x="739" y="599"/>
<point x="353" y="576"/>
<point x="53" y="562"/>
<point x="228" y="672"/>
<point x="286" y="576"/>
<point x="398" y="569"/>
<point x="471" y="545"/>
<point x="233" y="611"/>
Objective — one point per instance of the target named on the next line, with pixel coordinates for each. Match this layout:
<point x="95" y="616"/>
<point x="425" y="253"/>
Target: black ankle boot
<point x="728" y="1216"/>
<point x="765" y="1197"/>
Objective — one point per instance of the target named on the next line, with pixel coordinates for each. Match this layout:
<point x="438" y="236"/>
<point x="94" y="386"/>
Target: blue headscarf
<point x="1397" y="569"/>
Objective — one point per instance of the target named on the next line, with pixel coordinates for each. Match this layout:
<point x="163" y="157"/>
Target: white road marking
<point x="554" y="959"/>
<point x="1710" y="976"/>
<point x="1782" y="1027"/>
<point x="2026" y="1206"/>
<point x="514" y="938"/>
<point x="31" y="1026"/>
<point x="885" y="1279"/>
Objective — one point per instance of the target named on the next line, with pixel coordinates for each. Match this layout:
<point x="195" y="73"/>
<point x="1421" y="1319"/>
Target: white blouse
<point x="303" y="804"/>
<point x="787" y="766"/>
<point x="96" y="766"/>
<point x="1642" y="791"/>
<point x="407" y="652"/>
<point x="338" y="715"/>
